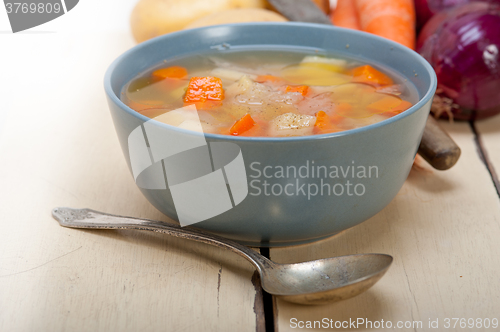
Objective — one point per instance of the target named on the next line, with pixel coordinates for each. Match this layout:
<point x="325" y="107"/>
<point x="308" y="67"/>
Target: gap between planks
<point x="483" y="155"/>
<point x="269" y="305"/>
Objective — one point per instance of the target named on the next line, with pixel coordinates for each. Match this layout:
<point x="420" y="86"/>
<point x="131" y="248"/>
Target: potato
<point x="237" y="16"/>
<point x="152" y="18"/>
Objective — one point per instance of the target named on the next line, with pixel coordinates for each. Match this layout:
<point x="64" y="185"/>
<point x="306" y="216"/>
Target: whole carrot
<point x="345" y="15"/>
<point x="392" y="19"/>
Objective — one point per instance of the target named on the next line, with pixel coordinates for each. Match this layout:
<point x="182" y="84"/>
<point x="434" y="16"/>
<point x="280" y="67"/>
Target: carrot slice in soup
<point x="322" y="120"/>
<point x="370" y="75"/>
<point x="171" y="72"/>
<point x="201" y="89"/>
<point x="324" y="124"/>
<point x="302" y="89"/>
<point x="242" y="125"/>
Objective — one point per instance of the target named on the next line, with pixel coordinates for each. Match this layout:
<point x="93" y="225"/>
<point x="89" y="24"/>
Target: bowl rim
<point x="418" y="105"/>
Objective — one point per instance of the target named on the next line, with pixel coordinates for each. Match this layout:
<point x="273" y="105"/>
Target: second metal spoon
<point x="314" y="282"/>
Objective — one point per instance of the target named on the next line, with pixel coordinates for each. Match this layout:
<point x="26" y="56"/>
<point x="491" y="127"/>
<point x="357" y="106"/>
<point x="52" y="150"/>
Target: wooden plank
<point x="60" y="149"/>
<point x="442" y="230"/>
<point x="488" y="132"/>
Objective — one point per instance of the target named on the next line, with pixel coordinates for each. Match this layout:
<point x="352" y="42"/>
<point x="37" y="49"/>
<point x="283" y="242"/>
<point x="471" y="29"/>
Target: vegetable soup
<point x="268" y="93"/>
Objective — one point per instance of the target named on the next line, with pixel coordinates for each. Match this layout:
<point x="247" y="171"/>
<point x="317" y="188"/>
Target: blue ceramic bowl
<point x="320" y="195"/>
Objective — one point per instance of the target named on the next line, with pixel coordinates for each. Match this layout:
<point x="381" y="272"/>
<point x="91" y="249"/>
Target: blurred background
<point x="458" y="37"/>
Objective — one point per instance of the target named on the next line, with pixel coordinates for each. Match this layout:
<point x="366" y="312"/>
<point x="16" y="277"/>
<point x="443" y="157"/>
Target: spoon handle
<point x="90" y="219"/>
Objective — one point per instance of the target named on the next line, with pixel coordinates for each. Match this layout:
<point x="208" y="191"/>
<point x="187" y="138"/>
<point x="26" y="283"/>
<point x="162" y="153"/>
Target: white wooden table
<point x="58" y="148"/>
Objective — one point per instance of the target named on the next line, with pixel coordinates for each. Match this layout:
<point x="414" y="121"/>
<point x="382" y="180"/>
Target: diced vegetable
<point x="294" y="121"/>
<point x="242" y="85"/>
<point x="370" y="75"/>
<point x="201" y="89"/>
<point x="171" y="72"/>
<point x="322" y="120"/>
<point x="242" y="125"/>
<point x="246" y="91"/>
<point x="323" y="125"/>
<point x="290" y="124"/>
<point x="302" y="89"/>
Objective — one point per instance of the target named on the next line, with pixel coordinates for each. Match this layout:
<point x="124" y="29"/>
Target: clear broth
<point x="330" y="89"/>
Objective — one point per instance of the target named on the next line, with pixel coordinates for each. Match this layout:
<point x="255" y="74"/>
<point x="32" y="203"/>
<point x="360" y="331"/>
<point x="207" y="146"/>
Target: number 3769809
<point x="25" y="8"/>
<point x="470" y="323"/>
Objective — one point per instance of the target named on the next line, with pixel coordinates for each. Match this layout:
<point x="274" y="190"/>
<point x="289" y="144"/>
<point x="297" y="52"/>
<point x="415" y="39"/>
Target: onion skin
<point x="463" y="46"/>
<point x="426" y="9"/>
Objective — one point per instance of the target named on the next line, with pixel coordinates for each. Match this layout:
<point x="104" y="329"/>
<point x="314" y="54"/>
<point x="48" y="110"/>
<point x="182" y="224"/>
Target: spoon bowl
<point x="325" y="280"/>
<point x="313" y="282"/>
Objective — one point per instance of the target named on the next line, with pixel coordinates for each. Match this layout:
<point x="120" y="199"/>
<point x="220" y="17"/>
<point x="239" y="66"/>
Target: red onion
<point x="425" y="9"/>
<point x="463" y="46"/>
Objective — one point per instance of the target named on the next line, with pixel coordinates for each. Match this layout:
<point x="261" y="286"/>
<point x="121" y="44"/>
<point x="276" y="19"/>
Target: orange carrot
<point x="392" y="19"/>
<point x="345" y="15"/>
<point x="242" y="125"/>
<point x="322" y="120"/>
<point x="370" y="75"/>
<point x="302" y="89"/>
<point x="324" y="124"/>
<point x="171" y="72"/>
<point x="201" y="89"/>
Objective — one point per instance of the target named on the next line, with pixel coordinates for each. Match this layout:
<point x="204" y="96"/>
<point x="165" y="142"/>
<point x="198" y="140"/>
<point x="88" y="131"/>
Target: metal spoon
<point x="313" y="282"/>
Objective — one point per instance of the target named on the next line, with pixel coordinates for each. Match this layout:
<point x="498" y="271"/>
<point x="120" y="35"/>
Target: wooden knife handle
<point x="324" y="5"/>
<point x="437" y="147"/>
